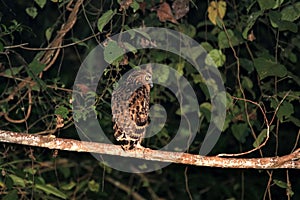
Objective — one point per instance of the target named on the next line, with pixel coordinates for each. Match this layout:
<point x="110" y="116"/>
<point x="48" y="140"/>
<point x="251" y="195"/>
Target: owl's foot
<point x="132" y="145"/>
<point x="138" y="146"/>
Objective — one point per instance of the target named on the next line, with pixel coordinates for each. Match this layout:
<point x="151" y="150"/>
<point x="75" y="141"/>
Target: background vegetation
<point x="255" y="44"/>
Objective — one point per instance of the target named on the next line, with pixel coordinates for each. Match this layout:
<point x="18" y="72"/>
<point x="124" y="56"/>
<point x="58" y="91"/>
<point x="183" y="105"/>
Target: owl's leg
<point x="139" y="146"/>
<point x="126" y="147"/>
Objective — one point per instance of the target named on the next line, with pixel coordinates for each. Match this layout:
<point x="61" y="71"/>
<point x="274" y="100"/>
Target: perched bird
<point x="130" y="108"/>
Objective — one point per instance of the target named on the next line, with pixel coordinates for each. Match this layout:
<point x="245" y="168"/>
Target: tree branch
<point x="291" y="161"/>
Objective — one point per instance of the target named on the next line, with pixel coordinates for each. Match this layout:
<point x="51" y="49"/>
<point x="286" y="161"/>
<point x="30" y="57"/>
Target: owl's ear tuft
<point x="149" y="68"/>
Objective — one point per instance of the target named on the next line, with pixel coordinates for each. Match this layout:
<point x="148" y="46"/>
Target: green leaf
<point x="284" y="185"/>
<point x="62" y="111"/>
<point x="250" y="6"/>
<point x="266" y="68"/>
<point x="280" y="183"/>
<point x="290" y="55"/>
<point x="295" y="78"/>
<point x="250" y="22"/>
<point x="287" y="26"/>
<point x="48" y="33"/>
<point x="12" y="195"/>
<point x="180" y="66"/>
<point x="282" y="25"/>
<point x="2" y="184"/>
<point x="275" y="18"/>
<point x="162" y="74"/>
<point x="135" y="6"/>
<point x="112" y="52"/>
<point x="293" y="95"/>
<point x="260" y="138"/>
<point x="105" y="18"/>
<point x="130" y="47"/>
<point x="30" y="170"/>
<point x="41" y="85"/>
<point x="290" y="191"/>
<point x="106" y="167"/>
<point x="197" y="78"/>
<point x="132" y="33"/>
<point x="266" y="4"/>
<point x="93" y="186"/>
<point x="185" y="109"/>
<point x="39" y="180"/>
<point x="65" y="171"/>
<point x="223" y="41"/>
<point x="68" y="186"/>
<point x="285" y="110"/>
<point x="247" y="65"/>
<point x="248" y="84"/>
<point x="207" y="46"/>
<point x="143" y="166"/>
<point x="13" y="71"/>
<point x="278" y="3"/>
<point x="80" y="43"/>
<point x="291" y="13"/>
<point x="36" y="66"/>
<point x="158" y="56"/>
<point x="41" y="3"/>
<point x="49" y="189"/>
<point x="17" y="180"/>
<point x="146" y="183"/>
<point x="32" y="12"/>
<point x="187" y="29"/>
<point x="294" y="120"/>
<point x="205" y="109"/>
<point x="194" y="52"/>
<point x="215" y="57"/>
<point x="240" y="131"/>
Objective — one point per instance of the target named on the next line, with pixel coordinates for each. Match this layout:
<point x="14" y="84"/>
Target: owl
<point x="130" y="108"/>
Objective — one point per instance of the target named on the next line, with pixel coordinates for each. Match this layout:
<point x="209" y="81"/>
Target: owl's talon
<point x="139" y="146"/>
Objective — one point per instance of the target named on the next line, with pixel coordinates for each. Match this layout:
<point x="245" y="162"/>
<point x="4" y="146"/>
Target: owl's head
<point x="140" y="77"/>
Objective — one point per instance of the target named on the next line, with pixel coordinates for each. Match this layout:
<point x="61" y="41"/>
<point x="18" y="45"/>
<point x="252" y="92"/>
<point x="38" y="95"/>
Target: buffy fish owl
<point x="130" y="108"/>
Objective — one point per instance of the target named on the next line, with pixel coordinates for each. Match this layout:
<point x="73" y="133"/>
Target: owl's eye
<point x="147" y="78"/>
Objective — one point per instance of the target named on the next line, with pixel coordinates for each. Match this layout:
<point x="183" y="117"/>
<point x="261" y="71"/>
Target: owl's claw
<point x="129" y="147"/>
<point x="139" y="146"/>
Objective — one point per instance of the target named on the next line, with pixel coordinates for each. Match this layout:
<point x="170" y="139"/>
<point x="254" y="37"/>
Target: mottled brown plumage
<point x="130" y="108"/>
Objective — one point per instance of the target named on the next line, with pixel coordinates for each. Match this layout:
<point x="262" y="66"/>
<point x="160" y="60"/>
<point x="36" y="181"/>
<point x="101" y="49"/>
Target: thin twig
<point x="297" y="140"/>
<point x="277" y="108"/>
<point x="186" y="180"/>
<point x="125" y="188"/>
<point x="18" y="121"/>
<point x="268" y="131"/>
<point x="242" y="91"/>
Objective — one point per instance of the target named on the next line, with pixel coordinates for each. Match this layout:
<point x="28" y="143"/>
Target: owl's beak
<point x="151" y="84"/>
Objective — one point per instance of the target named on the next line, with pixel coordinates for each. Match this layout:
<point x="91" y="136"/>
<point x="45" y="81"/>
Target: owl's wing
<point x="123" y="126"/>
<point x="139" y="107"/>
